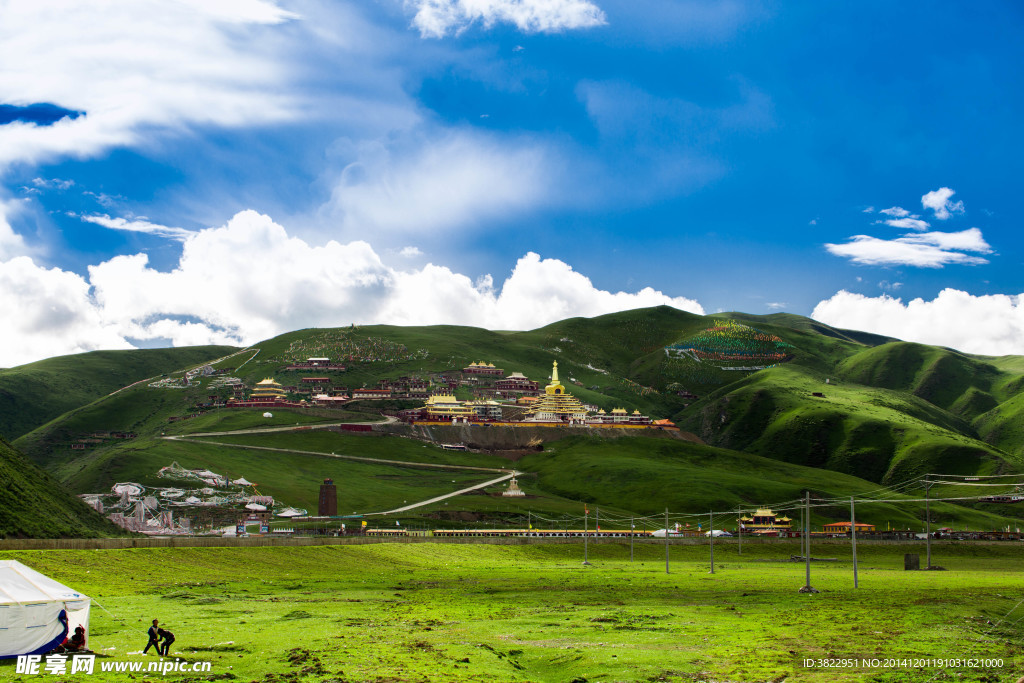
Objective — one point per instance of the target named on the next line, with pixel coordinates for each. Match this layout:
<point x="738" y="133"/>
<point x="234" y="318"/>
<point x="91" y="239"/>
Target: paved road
<point x="406" y="508"/>
<point x="383" y="461"/>
<point x="289" y="428"/>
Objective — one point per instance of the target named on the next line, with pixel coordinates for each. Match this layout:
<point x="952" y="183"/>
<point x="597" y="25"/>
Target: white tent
<point x="36" y="612"/>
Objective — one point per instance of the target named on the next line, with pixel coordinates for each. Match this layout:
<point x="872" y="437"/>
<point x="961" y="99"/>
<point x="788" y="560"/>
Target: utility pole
<point x="586" y="529"/>
<point x="711" y="519"/>
<point x="632" y="533"/>
<point x="666" y="540"/>
<point x="739" y="526"/>
<point x="853" y="541"/>
<point x="928" y="525"/>
<point x="807" y="543"/>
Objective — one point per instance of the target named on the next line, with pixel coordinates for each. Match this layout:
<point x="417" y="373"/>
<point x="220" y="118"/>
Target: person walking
<point x="154" y="637"/>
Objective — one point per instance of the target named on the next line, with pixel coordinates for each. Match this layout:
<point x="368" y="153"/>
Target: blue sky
<point x="224" y="175"/>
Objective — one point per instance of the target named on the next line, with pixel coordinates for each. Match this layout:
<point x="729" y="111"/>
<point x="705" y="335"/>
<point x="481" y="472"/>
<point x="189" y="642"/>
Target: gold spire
<point x="554" y="373"/>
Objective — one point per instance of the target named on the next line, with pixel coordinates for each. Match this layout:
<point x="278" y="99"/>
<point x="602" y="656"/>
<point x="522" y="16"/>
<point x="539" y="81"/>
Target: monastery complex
<point x="497" y="398"/>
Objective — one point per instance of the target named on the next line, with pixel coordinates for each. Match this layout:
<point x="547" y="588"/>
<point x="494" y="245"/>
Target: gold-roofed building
<point x="765" y="521"/>
<point x="556" y="404"/>
<point x="483" y="368"/>
<point x="267" y="390"/>
<point x="446" y="407"/>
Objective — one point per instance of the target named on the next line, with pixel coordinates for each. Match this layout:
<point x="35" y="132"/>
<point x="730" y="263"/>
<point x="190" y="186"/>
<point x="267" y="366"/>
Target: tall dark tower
<point x="328" y="506"/>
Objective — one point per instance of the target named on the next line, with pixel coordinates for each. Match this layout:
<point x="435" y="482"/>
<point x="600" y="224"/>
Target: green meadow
<point x="460" y="612"/>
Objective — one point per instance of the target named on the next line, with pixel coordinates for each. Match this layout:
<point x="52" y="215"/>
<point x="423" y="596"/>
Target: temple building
<point x="483" y="368"/>
<point x="267" y="390"/>
<point x="517" y="383"/>
<point x="485" y="410"/>
<point x="446" y="407"/>
<point x="764" y="521"/>
<point x="556" y="404"/>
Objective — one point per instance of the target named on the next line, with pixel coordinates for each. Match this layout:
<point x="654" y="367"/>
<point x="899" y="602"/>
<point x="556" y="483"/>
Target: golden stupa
<point x="556" y="404"/>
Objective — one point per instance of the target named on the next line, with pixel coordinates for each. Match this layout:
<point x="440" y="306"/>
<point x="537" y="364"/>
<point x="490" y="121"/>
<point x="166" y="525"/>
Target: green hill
<point x="33" y="394"/>
<point x="834" y="410"/>
<point x="943" y="377"/>
<point x="35" y="505"/>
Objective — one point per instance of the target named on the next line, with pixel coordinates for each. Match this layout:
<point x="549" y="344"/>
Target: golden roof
<point x="441" y="399"/>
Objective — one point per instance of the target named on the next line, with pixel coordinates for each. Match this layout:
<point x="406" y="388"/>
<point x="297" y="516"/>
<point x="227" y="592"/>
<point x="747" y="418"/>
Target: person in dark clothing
<point x="77" y="642"/>
<point x="168" y="639"/>
<point x="154" y="637"/>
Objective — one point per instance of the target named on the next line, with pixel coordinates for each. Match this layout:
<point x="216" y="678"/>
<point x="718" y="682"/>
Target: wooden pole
<point x="853" y="541"/>
<point x="666" y="540"/>
<point x="711" y="519"/>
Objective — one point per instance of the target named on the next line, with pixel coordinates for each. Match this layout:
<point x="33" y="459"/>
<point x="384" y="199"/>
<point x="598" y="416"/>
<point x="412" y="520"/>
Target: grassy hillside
<point x="944" y="378"/>
<point x="879" y="434"/>
<point x="647" y="476"/>
<point x="889" y="412"/>
<point x="33" y="394"/>
<point x="35" y="505"/>
<point x="630" y="474"/>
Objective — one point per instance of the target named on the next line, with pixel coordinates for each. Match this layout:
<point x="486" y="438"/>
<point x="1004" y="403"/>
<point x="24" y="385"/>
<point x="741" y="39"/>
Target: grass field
<point x="438" y="612"/>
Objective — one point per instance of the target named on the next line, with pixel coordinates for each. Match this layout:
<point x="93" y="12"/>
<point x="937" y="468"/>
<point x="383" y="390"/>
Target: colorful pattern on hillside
<point x="348" y="346"/>
<point x="732" y="346"/>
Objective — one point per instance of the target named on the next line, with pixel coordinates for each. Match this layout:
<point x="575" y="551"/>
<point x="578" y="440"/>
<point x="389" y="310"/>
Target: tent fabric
<point x="36" y="612"/>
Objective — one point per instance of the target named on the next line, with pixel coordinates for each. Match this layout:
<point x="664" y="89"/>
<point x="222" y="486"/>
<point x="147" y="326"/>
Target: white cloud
<point x="438" y="18"/>
<point x="986" y="324"/>
<point x="965" y="240"/>
<point x="776" y="306"/>
<point x="140" y="225"/>
<point x="53" y="183"/>
<point x="932" y="249"/>
<point x="410" y="252"/>
<point x="895" y="212"/>
<point x="908" y="223"/>
<point x="450" y="181"/>
<point x="925" y="250"/>
<point x="250" y="280"/>
<point x="48" y="313"/>
<point x="939" y="202"/>
<point x="132" y="67"/>
<point x="869" y="209"/>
